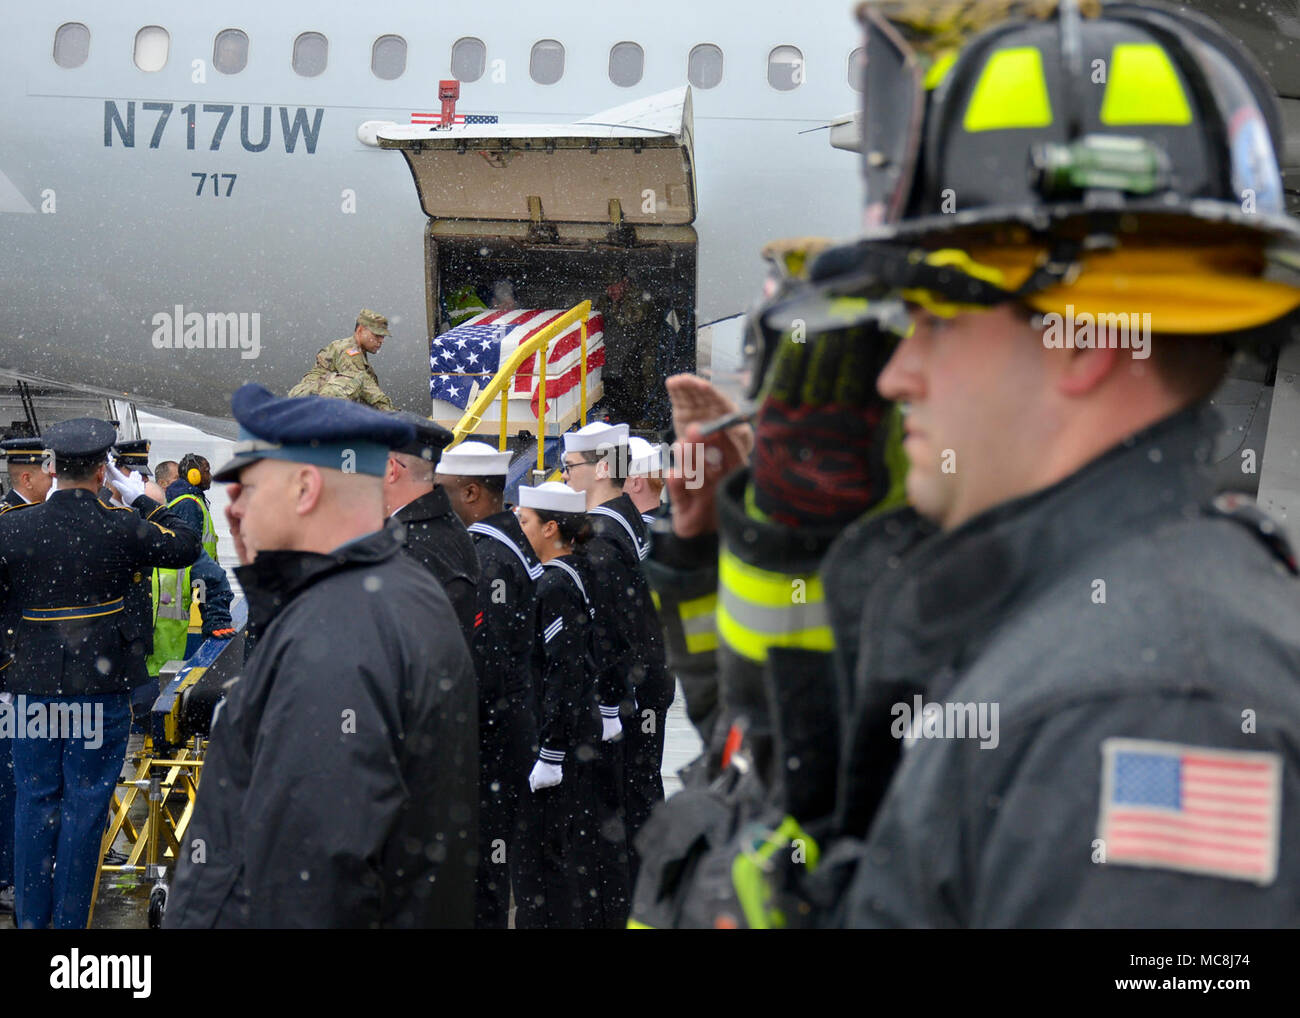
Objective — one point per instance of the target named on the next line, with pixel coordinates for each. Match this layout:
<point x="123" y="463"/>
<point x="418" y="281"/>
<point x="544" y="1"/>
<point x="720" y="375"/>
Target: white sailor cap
<point x="473" y="459"/>
<point x="554" y="496"/>
<point x="595" y="436"/>
<point x="646" y="457"/>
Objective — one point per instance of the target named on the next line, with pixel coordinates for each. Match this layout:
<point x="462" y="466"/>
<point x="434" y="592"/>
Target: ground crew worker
<point x="473" y="475"/>
<point x="645" y="482"/>
<point x="595" y="462"/>
<point x="341" y="369"/>
<point x="1142" y="761"/>
<point x="562" y="779"/>
<point x="174" y="594"/>
<point x="187" y="494"/>
<point x="359" y="689"/>
<point x="431" y="532"/>
<point x="66" y="564"/>
<point x="27" y="481"/>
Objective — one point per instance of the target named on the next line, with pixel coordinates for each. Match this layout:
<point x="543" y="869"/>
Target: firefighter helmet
<point x="1071" y="151"/>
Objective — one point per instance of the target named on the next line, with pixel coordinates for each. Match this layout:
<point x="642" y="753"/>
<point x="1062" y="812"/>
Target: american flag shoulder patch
<point x="1191" y="808"/>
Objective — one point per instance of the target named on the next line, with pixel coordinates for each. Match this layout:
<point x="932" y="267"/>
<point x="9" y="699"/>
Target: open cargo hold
<point x="598" y="210"/>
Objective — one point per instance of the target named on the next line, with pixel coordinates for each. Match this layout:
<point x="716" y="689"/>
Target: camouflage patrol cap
<point x="373" y="321"/>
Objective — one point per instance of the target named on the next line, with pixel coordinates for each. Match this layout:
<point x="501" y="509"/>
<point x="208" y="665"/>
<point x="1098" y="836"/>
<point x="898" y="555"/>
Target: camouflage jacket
<point x="341" y="370"/>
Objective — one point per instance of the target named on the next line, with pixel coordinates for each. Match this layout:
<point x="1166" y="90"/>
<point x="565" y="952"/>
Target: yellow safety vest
<point x="172" y="594"/>
<point x="209" y="537"/>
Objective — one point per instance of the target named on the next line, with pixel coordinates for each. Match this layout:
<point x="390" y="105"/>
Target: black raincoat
<point x="341" y="785"/>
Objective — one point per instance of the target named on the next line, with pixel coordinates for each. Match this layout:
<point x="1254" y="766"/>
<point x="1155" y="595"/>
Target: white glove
<point x="610" y="726"/>
<point x="130" y="486"/>
<point x="54" y="486"/>
<point x="545" y="775"/>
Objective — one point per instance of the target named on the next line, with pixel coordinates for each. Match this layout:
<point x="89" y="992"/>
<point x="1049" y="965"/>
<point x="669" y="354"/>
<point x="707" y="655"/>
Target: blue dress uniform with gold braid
<point x="18" y="452"/>
<point x="66" y="566"/>
<point x="134" y="455"/>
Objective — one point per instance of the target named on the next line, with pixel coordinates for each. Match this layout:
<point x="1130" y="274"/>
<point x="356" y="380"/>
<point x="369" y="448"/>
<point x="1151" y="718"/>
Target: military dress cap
<point x="474" y="459"/>
<point x="646" y="457"/>
<point x="552" y="496"/>
<point x="430" y="437"/>
<point x="83" y="438"/>
<point x="373" y="321"/>
<point x="133" y="455"/>
<point x="333" y="433"/>
<point x="23" y="450"/>
<point x="595" y="436"/>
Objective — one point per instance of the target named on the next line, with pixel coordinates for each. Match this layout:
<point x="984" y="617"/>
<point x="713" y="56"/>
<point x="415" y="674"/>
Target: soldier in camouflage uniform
<point x="341" y="369"/>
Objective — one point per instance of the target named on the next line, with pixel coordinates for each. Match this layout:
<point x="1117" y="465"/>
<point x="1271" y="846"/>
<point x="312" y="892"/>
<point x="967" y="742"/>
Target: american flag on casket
<point x="464" y="359"/>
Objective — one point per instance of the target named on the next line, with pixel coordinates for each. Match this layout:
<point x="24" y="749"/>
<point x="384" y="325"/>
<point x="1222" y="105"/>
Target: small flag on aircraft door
<point x="459" y="118"/>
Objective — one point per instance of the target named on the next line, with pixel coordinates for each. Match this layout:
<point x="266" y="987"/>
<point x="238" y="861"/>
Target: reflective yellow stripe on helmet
<point x="1143" y="88"/>
<point x="760" y="609"/>
<point x="940" y="68"/>
<point x="1011" y="92"/>
<point x="959" y="259"/>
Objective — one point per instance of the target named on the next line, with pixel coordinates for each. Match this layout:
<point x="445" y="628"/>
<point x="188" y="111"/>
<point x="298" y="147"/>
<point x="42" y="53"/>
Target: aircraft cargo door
<point x="527" y="217"/>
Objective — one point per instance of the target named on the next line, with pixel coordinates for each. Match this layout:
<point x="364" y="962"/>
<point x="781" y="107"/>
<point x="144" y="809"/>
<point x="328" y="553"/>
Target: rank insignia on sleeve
<point x="1191" y="808"/>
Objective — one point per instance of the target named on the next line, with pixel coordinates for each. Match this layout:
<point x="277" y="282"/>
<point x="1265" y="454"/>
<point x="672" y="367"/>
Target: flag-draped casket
<point x="463" y="360"/>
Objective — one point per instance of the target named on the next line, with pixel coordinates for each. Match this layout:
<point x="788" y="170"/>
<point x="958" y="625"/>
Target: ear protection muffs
<point x="193" y="476"/>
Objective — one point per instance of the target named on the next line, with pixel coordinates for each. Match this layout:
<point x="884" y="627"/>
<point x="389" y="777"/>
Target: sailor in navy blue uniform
<point x="563" y="777"/>
<point x="65" y="567"/>
<point x="636" y="692"/>
<point x="645" y="482"/>
<point x="473" y="474"/>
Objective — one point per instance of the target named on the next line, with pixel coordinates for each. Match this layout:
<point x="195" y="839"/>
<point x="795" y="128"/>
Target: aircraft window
<point x="704" y="66"/>
<point x="626" y="64"/>
<point x="785" y="70"/>
<point x="468" y="59"/>
<point x="230" y="51"/>
<point x="71" y="44"/>
<point x="388" y="57"/>
<point x="857" y="64"/>
<point x="151" y="46"/>
<point x="546" y="65"/>
<point x="310" y="53"/>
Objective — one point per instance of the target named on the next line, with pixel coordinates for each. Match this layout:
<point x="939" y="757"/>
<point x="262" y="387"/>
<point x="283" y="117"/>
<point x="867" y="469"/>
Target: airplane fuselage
<point x="171" y="234"/>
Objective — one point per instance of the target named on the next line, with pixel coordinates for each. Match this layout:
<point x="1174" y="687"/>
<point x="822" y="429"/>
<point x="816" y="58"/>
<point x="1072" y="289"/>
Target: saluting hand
<point x="700" y="464"/>
<point x="126" y="486"/>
